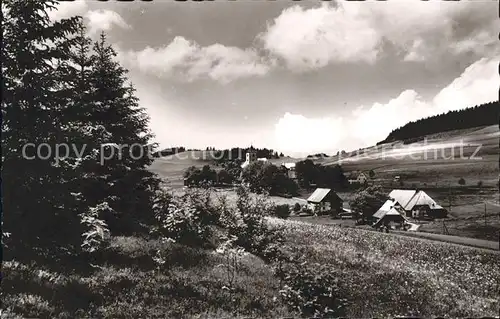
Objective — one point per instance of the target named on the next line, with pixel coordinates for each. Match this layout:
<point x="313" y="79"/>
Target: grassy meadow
<point x="375" y="275"/>
<point x="438" y="175"/>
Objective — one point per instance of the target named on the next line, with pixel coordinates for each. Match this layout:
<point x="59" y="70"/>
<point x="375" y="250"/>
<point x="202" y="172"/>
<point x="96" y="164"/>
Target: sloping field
<point x="441" y="146"/>
<point x="171" y="168"/>
<point x="391" y="275"/>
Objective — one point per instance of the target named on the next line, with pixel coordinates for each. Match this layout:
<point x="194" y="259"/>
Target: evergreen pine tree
<point x="34" y="191"/>
<point x="130" y="184"/>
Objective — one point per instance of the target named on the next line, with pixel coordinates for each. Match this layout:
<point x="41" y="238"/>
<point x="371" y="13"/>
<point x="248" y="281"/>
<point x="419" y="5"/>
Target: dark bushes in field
<point x="197" y="177"/>
<point x="297" y="208"/>
<point x="282" y="211"/>
<point x="367" y="201"/>
<point x="309" y="173"/>
<point x="264" y="177"/>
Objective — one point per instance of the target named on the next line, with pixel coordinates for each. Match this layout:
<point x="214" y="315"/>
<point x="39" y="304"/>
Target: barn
<point x="417" y="203"/>
<point x="391" y="211"/>
<point x="324" y="201"/>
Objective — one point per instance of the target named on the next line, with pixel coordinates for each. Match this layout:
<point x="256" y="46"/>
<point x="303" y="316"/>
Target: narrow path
<point x="464" y="241"/>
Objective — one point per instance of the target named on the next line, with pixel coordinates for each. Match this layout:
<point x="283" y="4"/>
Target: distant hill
<point x="169" y="151"/>
<point x="480" y="115"/>
<point x="317" y="156"/>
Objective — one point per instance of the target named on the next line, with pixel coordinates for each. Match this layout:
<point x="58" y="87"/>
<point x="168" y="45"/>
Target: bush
<point x="313" y="289"/>
<point x="282" y="211"/>
<point x="187" y="219"/>
<point x="461" y="181"/>
<point x="297" y="207"/>
<point x="367" y="201"/>
<point x="306" y="210"/>
<point x="246" y="222"/>
<point x="200" y="177"/>
<point x="371" y="174"/>
<point x="224" y="177"/>
<point x="265" y="177"/>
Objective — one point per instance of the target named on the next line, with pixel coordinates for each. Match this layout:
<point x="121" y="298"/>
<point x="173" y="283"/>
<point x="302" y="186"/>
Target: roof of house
<point x="421" y="198"/>
<point x="289" y="165"/>
<point x="390" y="207"/>
<point x="320" y="194"/>
<point x="411" y="198"/>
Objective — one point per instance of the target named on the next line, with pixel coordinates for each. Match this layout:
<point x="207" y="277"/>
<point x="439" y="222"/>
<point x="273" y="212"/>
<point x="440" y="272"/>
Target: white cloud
<point x="96" y="20"/>
<point x="189" y="61"/>
<point x="478" y="84"/>
<point x="312" y="38"/>
<point x="297" y="133"/>
<point x="68" y="9"/>
<point x="353" y="32"/>
<point x="104" y="20"/>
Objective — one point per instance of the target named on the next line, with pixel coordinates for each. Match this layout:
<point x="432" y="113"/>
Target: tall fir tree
<point x="33" y="187"/>
<point x="131" y="185"/>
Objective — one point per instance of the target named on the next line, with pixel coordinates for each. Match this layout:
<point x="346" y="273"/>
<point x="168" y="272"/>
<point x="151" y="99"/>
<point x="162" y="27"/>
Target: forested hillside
<point x="480" y="115"/>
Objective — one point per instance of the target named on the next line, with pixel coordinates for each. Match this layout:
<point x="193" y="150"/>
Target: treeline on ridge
<point x="479" y="115"/>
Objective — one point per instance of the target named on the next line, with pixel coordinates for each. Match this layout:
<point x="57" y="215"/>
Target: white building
<point x="290" y="167"/>
<point x="324" y="200"/>
<point x="250" y="158"/>
<point x="361" y="179"/>
<point x="417" y="203"/>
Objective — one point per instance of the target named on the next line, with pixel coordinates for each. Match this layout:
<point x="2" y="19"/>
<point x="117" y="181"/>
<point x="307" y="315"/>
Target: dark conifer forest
<point x="479" y="115"/>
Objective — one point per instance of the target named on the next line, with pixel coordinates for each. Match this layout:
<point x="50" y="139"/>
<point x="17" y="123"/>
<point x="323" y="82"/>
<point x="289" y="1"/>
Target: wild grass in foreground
<point x="144" y="279"/>
<point x="384" y="275"/>
<point x="211" y="259"/>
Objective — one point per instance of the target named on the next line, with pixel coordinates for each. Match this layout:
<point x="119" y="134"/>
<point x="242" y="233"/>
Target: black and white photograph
<point x="250" y="159"/>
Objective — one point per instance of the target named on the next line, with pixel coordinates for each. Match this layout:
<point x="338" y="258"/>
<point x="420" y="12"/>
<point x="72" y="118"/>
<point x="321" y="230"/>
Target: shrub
<point x="224" y="177"/>
<point x="306" y="210"/>
<point x="461" y="181"/>
<point x="246" y="222"/>
<point x="187" y="219"/>
<point x="371" y="174"/>
<point x="265" y="177"/>
<point x="282" y="211"/>
<point x="297" y="207"/>
<point x="200" y="177"/>
<point x="313" y="289"/>
<point x="367" y="201"/>
<point x="96" y="237"/>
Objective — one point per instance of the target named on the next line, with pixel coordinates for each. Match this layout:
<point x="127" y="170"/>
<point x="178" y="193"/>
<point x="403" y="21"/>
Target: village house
<point x="417" y="204"/>
<point x="323" y="201"/>
<point x="360" y="179"/>
<point x="390" y="212"/>
<point x="290" y="168"/>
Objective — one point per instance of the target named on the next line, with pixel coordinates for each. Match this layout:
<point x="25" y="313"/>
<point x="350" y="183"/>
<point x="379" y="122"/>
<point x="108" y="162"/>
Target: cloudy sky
<point x="299" y="77"/>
